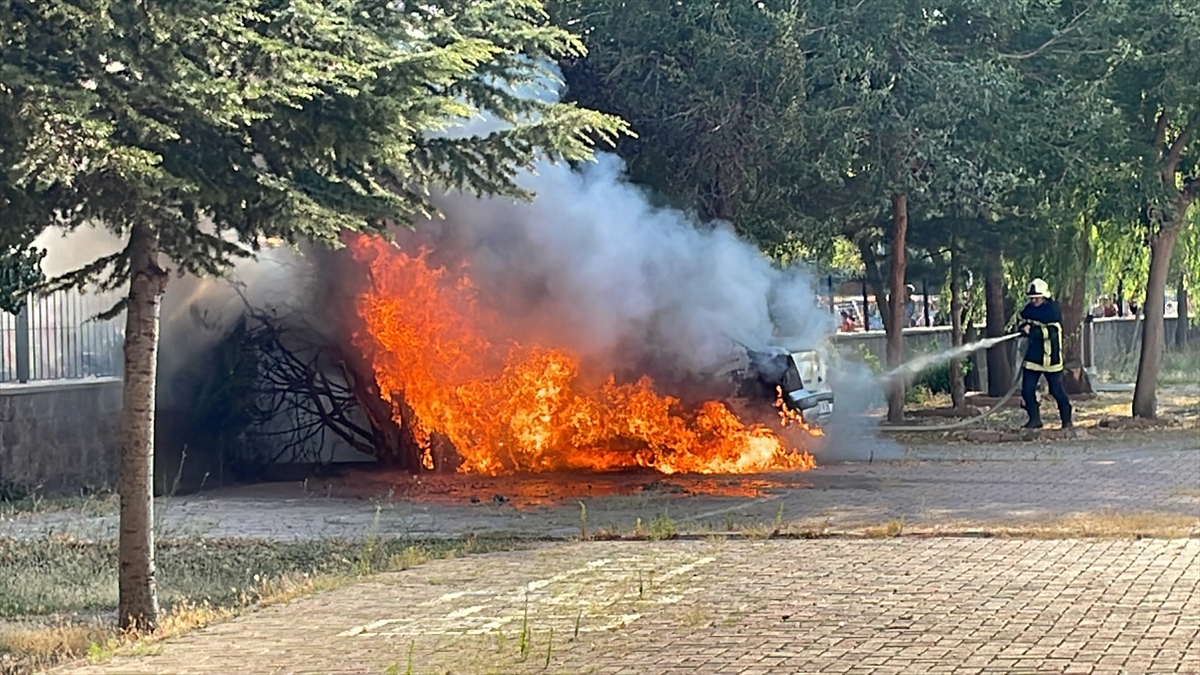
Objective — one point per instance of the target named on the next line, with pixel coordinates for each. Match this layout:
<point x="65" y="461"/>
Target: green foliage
<point x="217" y="124"/>
<point x="662" y="527"/>
<point x="834" y="107"/>
<point x="20" y="272"/>
<point x="1186" y="263"/>
<point x="936" y="379"/>
<point x="864" y="354"/>
<point x="715" y="92"/>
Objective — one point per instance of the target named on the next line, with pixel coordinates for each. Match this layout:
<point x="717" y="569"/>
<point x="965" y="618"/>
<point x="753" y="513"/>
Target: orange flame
<point x="511" y="407"/>
<point x="791" y="418"/>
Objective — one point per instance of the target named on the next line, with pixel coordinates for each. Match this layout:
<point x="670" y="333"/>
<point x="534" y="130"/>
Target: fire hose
<point x="967" y="422"/>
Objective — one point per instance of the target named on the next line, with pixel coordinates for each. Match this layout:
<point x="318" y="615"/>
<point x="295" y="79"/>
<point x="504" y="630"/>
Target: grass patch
<point x="58" y="596"/>
<point x="1179" y="368"/>
<point x="29" y="647"/>
<point x="18" y="500"/>
<point x="662" y="527"/>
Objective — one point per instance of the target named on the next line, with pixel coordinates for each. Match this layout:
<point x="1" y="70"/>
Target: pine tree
<point x="196" y="129"/>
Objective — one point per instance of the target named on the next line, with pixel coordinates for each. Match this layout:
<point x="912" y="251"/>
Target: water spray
<point x="917" y="365"/>
<point x="911" y="368"/>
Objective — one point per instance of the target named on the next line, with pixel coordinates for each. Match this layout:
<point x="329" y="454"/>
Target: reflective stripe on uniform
<point x="1051" y="344"/>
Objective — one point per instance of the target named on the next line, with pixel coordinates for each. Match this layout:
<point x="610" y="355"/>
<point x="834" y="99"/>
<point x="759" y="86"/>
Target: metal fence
<point x="58" y="336"/>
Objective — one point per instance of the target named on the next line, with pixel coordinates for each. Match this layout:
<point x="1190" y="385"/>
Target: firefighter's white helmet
<point x="1038" y="288"/>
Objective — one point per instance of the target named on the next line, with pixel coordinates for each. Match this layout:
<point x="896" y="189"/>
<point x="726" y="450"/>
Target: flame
<point x="792" y="418"/>
<point x="511" y="407"/>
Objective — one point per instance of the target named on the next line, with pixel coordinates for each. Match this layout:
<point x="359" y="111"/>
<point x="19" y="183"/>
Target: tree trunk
<point x="999" y="369"/>
<point x="895" y="327"/>
<point x="137" y="599"/>
<point x="1074" y="305"/>
<point x="725" y="184"/>
<point x="1145" y="395"/>
<point x="958" y="389"/>
<point x="875" y="280"/>
<point x="1181" y="321"/>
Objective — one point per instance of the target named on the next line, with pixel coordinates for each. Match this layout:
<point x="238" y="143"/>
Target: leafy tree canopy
<point x="219" y="123"/>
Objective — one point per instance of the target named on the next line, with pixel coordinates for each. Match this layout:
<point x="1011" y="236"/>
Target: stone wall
<point x="59" y="435"/>
<point x="917" y="341"/>
<point x="1120" y="340"/>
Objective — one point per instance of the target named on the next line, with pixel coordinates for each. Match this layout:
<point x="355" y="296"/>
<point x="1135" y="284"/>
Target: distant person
<point x="1110" y="309"/>
<point x="873" y="321"/>
<point x="910" y="306"/>
<point x="1041" y="320"/>
<point x="847" y="322"/>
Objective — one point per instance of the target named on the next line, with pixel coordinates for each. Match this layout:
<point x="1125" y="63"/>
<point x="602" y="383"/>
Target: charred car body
<point x="800" y="376"/>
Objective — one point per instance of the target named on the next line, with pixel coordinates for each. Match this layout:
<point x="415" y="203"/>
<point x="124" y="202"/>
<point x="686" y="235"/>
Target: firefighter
<point x="1041" y="321"/>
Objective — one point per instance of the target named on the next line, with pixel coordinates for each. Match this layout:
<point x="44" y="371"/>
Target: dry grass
<point x="27" y="647"/>
<point x="180" y="619"/>
<point x="694" y="618"/>
<point x="52" y="590"/>
<point x="1108" y="526"/>
<point x="892" y="528"/>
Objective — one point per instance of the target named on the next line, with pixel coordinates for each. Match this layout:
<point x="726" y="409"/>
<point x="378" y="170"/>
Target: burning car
<point x="798" y="377"/>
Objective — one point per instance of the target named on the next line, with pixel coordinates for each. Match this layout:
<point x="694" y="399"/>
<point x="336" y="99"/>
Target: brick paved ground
<point x="716" y="605"/>
<point x="909" y="605"/>
<point x="938" y="488"/>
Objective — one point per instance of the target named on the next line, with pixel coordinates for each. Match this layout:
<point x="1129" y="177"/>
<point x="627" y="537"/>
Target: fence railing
<point x="58" y="337"/>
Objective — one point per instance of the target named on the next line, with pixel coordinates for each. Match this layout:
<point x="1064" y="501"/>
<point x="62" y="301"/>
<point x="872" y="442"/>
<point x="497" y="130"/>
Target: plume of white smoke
<point x="197" y="312"/>
<point x="67" y="251"/>
<point x="848" y="438"/>
<point x="591" y="265"/>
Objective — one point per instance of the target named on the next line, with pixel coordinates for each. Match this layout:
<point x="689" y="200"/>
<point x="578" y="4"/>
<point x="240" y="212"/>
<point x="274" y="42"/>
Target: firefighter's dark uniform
<point x="1044" y="356"/>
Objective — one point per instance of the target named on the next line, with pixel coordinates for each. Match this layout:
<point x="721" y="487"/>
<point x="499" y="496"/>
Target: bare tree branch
<point x="1070" y="28"/>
